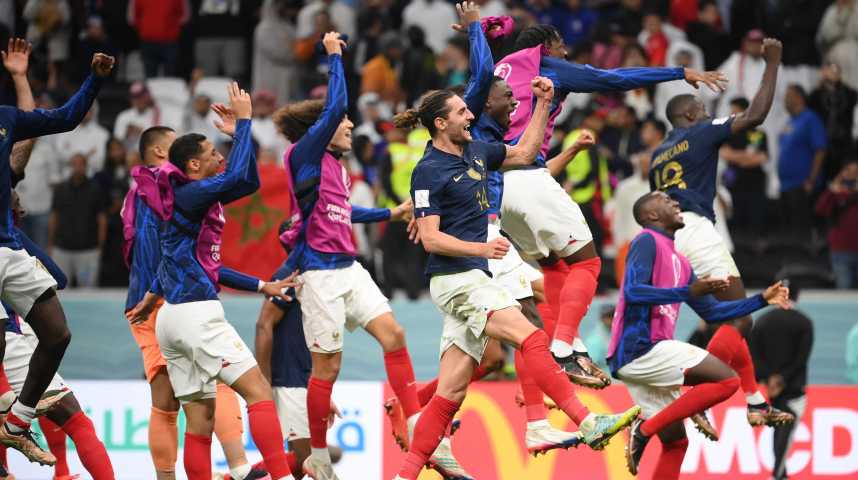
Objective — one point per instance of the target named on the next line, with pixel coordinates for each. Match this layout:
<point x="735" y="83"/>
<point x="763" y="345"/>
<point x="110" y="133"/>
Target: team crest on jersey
<point x="474" y="174"/>
<point x="480" y="163"/>
<point x="503" y="70"/>
<point x="216" y="253"/>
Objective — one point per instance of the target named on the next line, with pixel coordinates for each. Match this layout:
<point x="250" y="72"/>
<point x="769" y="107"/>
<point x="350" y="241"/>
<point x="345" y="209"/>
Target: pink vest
<point x="518" y="69"/>
<point x="670" y="270"/>
<point x="329" y="228"/>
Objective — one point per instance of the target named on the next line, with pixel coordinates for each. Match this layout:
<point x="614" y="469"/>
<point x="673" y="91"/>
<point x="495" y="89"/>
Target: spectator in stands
<point x="623" y="224"/>
<point x="610" y="46"/>
<point x="77" y="228"/>
<point x="200" y="118"/>
<point x="839" y="204"/>
<point x="575" y="21"/>
<point x="638" y="99"/>
<point x="835" y="102"/>
<point x="113" y="181"/>
<point x="158" y="24"/>
<point x="708" y="33"/>
<point x="49" y="26"/>
<point x="274" y="67"/>
<point x="115" y="175"/>
<point x="93" y="40"/>
<point x="436" y="26"/>
<point x="745" y="69"/>
<point x="852" y="355"/>
<point x="7" y="16"/>
<point x="418" y="66"/>
<point x="220" y="29"/>
<point x="621" y="138"/>
<point x="372" y="113"/>
<point x="802" y="150"/>
<point x="142" y="114"/>
<point x="656" y="37"/>
<point x="492" y="8"/>
<point x="667" y="90"/>
<point x="837" y="38"/>
<point x="629" y="17"/>
<point x="781" y="342"/>
<point x="341" y="13"/>
<point x="271" y="142"/>
<point x="453" y="62"/>
<point x="600" y="335"/>
<point x="379" y="75"/>
<point x="88" y="139"/>
<point x="746" y="153"/>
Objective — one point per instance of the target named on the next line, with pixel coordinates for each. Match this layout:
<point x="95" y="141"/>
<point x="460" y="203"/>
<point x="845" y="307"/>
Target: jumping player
<point x="198" y="344"/>
<point x="685" y="167"/>
<point x="142" y="250"/>
<point x="24" y="286"/>
<point x="642" y="352"/>
<point x="337" y="292"/>
<point x="448" y="188"/>
<point x="537" y="213"/>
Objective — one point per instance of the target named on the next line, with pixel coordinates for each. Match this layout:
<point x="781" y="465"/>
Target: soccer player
<point x="198" y="344"/>
<point x="24" y="286"/>
<point x="142" y="250"/>
<point x="284" y="358"/>
<point x="642" y="352"/>
<point x="685" y="167"/>
<point x="537" y="213"/>
<point x="448" y="188"/>
<point x="337" y="292"/>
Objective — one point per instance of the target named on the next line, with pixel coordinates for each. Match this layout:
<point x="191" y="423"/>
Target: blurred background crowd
<point x="175" y="57"/>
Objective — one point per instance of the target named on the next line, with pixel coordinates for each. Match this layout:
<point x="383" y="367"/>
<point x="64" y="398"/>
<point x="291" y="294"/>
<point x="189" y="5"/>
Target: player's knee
<point x="395" y="338"/>
<point x="454" y="393"/>
<point x="327" y="369"/>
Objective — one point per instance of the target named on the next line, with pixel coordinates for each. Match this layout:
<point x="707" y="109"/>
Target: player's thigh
<point x="364" y="302"/>
<point x="652" y="399"/>
<point x="454" y="374"/>
<point x="710" y="369"/>
<point x="663" y="365"/>
<point x="16" y="363"/>
<point x="510" y="326"/>
<point x="291" y="404"/>
<point x="24" y="281"/>
<point x="323" y="308"/>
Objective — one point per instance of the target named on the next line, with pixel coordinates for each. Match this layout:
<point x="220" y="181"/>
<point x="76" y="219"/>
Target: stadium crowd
<point x="788" y="192"/>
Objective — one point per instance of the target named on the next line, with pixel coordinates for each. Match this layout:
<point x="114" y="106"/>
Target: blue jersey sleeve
<point x="495" y="155"/>
<point x="237" y="280"/>
<point x="426" y="191"/>
<point x="41" y="122"/>
<point x="482" y="70"/>
<point x="156" y="287"/>
<point x="637" y="283"/>
<point x="714" y="311"/>
<point x="241" y="177"/>
<point x="369" y="215"/>
<point x="310" y="148"/>
<point x="43" y="257"/>
<point x="573" y="77"/>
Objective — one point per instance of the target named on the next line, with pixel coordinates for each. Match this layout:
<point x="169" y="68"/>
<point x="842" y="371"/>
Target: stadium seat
<point x="172" y="91"/>
<point x="214" y="88"/>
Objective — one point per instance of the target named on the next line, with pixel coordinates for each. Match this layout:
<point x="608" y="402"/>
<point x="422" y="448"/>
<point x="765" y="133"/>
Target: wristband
<point x="260" y="286"/>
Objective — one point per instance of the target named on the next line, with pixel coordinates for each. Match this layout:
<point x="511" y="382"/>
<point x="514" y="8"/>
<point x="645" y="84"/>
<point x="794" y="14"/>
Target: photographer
<point x="839" y="203"/>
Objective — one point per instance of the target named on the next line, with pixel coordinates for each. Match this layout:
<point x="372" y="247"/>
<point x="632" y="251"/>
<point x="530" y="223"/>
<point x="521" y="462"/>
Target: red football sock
<point x="198" y="457"/>
<point x="266" y="433"/>
<point x="730" y="347"/>
<point x="293" y="462"/>
<point x="551" y="380"/>
<point x="670" y="460"/>
<point x="4" y="382"/>
<point x="579" y="288"/>
<point x="427" y="434"/>
<point x="56" y="440"/>
<point x="318" y="409"/>
<point x="400" y="375"/>
<point x="89" y="448"/>
<point x="427" y="391"/>
<point x="534" y="406"/>
<point x="554" y="276"/>
<point x="549" y="319"/>
<point x="695" y="400"/>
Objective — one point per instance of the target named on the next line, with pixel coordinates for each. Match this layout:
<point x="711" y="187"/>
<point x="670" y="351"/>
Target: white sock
<point x="578" y="345"/>
<point x="412" y="422"/>
<point x="755" y="398"/>
<point x="560" y="348"/>
<point x="538" y="424"/>
<point x="241" y="471"/>
<point x="322" y="454"/>
<point x="23" y="412"/>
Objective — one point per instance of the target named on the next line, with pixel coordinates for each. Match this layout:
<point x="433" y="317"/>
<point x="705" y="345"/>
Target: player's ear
<point x="440" y="124"/>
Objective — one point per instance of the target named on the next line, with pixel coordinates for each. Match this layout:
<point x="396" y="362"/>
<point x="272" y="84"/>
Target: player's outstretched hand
<point x="469" y="12"/>
<point x="772" y="50"/>
<point x="16" y="58"/>
<point x="413" y="231"/>
<point x="102" y="64"/>
<point x="140" y="313"/>
<point x="706" y="286"/>
<point x="404" y="212"/>
<point x="778" y="294"/>
<point x="239" y="101"/>
<point x="226" y="119"/>
<point x="278" y="288"/>
<point x="543" y="88"/>
<point x="715" y="81"/>
<point x="333" y="44"/>
<point x="496" y="249"/>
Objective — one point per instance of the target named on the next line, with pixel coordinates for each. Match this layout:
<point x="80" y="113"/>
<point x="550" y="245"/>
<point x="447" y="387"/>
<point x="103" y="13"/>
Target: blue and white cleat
<point x="543" y="438"/>
<point x="443" y="462"/>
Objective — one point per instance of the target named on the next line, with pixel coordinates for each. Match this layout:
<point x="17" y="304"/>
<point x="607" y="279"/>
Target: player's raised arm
<point x="480" y="61"/>
<point x="16" y="60"/>
<point x="762" y="101"/>
<point x="524" y="152"/>
<point x="558" y="163"/>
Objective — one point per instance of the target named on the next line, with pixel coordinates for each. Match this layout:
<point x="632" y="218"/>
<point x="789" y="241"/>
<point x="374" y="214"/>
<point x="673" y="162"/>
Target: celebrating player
<point x="537" y="213"/>
<point x="685" y="167"/>
<point x="642" y="352"/>
<point x="200" y="347"/>
<point x="448" y="188"/>
<point x="24" y="286"/>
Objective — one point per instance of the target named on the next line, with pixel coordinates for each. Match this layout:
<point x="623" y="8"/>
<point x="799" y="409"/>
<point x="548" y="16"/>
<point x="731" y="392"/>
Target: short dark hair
<point x="184" y="148"/>
<point x="799" y="90"/>
<point x="640" y="206"/>
<point x="536" y="35"/>
<point x="657" y="124"/>
<point x="676" y="106"/>
<point x="740" y="102"/>
<point x="150" y="136"/>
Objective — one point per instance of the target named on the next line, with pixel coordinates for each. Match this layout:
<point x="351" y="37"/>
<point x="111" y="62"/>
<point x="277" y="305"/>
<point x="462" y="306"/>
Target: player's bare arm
<point x="762" y="101"/>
